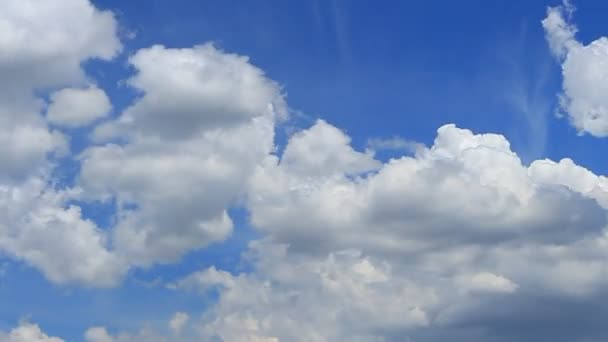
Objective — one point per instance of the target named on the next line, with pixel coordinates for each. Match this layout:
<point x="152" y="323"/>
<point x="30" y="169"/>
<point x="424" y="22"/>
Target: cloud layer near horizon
<point x="459" y="239"/>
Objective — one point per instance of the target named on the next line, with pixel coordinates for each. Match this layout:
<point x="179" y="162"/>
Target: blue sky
<point x="432" y="62"/>
<point x="338" y="75"/>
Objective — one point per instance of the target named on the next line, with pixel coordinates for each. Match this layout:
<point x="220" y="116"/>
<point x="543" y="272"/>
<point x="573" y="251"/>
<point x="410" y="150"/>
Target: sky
<point x="303" y="171"/>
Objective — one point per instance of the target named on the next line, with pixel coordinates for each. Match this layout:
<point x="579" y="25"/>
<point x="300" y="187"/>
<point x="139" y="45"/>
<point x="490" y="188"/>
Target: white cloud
<point x="27" y="332"/>
<point x="584" y="71"/>
<point x="441" y="190"/>
<point x="25" y="144"/>
<point x="73" y="107"/>
<point x="486" y="281"/>
<point x="42" y="46"/>
<point x="560" y="33"/>
<point x="419" y="245"/>
<point x="203" y="123"/>
<point x="38" y="227"/>
<point x="186" y="91"/>
<point x="574" y="177"/>
<point x="303" y="154"/>
<point x="300" y="299"/>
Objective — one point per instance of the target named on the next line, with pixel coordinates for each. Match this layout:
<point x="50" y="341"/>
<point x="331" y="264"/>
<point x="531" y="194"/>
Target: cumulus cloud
<point x="26" y="144"/>
<point x="204" y="121"/>
<point x="574" y="177"/>
<point x="73" y="107"/>
<point x="560" y="33"/>
<point x="448" y="183"/>
<point x="190" y="142"/>
<point x="419" y="247"/>
<point x="38" y="227"/>
<point x="324" y="150"/>
<point x="27" y="332"/>
<point x="584" y="71"/>
<point x="41" y="48"/>
<point x="344" y="296"/>
<point x="186" y="91"/>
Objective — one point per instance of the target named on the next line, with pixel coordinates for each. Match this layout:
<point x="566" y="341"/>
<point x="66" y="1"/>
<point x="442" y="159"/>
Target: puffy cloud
<point x="41" y="49"/>
<point x="27" y="332"/>
<point x="574" y="177"/>
<point x="204" y="121"/>
<point x="584" y="71"/>
<point x="186" y="91"/>
<point x="26" y="144"/>
<point x="73" y="107"/>
<point x="439" y="192"/>
<point x="420" y="247"/>
<point x="300" y="299"/>
<point x="560" y="33"/>
<point x="38" y="227"/>
<point x="303" y="154"/>
<point x="205" y="118"/>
